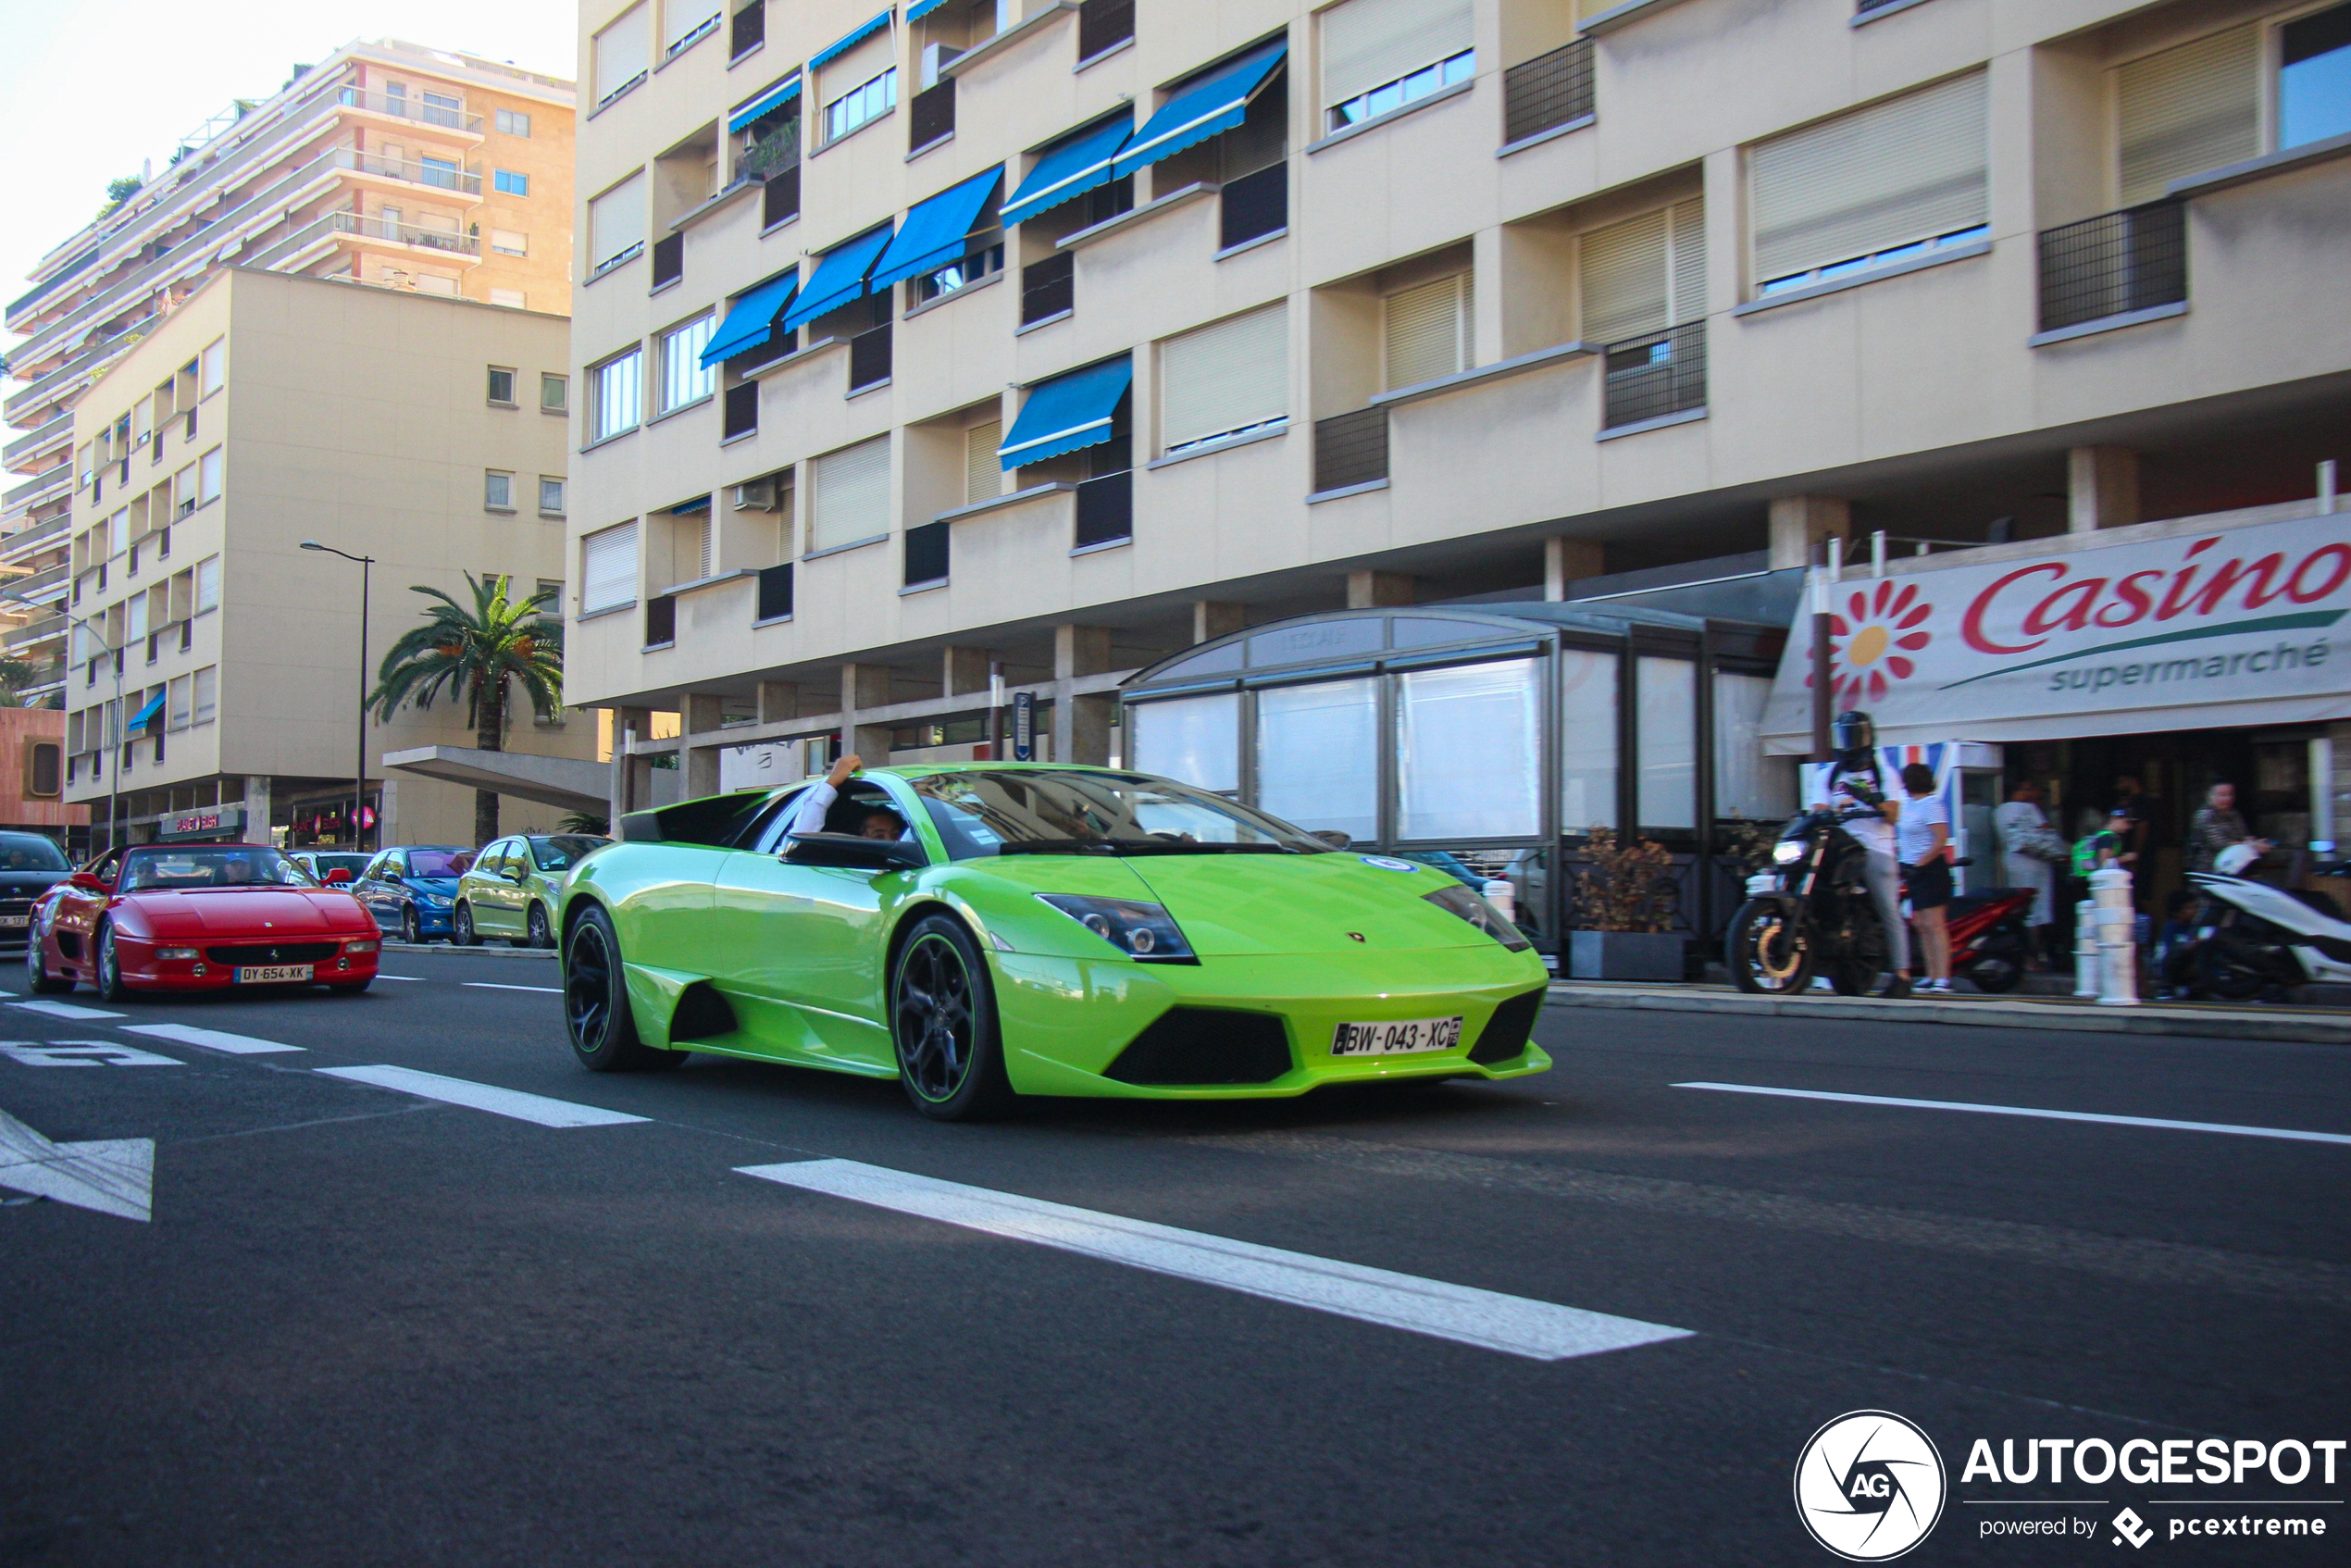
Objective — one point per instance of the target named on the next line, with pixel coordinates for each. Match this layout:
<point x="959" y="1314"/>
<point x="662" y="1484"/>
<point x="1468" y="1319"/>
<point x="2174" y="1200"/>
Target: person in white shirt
<point x="808" y="816"/>
<point x="2029" y="848"/>
<point x="1854" y="777"/>
<point x="1922" y="839"/>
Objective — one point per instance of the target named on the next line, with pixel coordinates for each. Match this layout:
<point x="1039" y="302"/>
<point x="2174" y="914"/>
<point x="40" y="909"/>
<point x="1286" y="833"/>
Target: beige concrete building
<point x="1391" y="302"/>
<point x="215" y="664"/>
<point x="387" y="163"/>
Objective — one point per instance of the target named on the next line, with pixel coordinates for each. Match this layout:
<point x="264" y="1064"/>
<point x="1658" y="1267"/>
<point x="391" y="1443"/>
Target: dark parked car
<point x="409" y="889"/>
<point x="31" y="864"/>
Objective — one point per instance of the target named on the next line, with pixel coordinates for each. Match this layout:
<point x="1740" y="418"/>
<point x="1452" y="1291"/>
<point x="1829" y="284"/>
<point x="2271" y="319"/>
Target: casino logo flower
<point x="1871" y="641"/>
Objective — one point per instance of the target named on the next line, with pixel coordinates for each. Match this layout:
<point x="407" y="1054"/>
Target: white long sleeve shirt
<point x="808" y="815"/>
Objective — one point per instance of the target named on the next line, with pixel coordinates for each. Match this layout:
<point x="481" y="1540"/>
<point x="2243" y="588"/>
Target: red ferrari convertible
<point x="173" y="917"/>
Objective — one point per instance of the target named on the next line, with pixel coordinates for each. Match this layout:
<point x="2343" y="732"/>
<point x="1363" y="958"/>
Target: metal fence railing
<point x="930" y="115"/>
<point x="1254" y="205"/>
<point x="1656" y="373"/>
<point x="1048" y="287"/>
<point x="1350" y="449"/>
<point x="1106" y="509"/>
<point x="1547" y="91"/>
<point x="2114" y="263"/>
<point x="775" y="592"/>
<point x="927" y="547"/>
<point x="869" y="358"/>
<point x="1102" y="25"/>
<point x="660" y="620"/>
<point x="670" y="259"/>
<point x="740" y="416"/>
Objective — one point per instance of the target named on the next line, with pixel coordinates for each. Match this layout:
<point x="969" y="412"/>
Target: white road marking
<point x="512" y="1103"/>
<point x="381" y="975"/>
<point x="82" y="1054"/>
<point x="64" y="1010"/>
<point x="2163" y="1122"/>
<point x="1484" y="1318"/>
<point x="494" y="985"/>
<point x="211" y="1040"/>
<point x="113" y="1176"/>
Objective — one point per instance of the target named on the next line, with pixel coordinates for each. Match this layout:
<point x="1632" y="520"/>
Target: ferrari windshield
<point x="210" y="865"/>
<point x="1055" y="813"/>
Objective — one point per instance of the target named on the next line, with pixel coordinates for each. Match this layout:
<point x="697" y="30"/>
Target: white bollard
<point x="1502" y="896"/>
<point x="2118" y="955"/>
<point x="2085" y="949"/>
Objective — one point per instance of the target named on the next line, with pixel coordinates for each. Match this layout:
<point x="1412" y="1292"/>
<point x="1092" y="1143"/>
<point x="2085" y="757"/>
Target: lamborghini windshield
<point x="1021" y="813"/>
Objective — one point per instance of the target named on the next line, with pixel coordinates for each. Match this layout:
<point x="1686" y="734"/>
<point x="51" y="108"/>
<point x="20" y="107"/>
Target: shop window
<point x="1318" y="755"/>
<point x="1747" y="783"/>
<point x="1666" y="788"/>
<point x="1468" y="753"/>
<point x="1196" y="740"/>
<point x="1587" y="740"/>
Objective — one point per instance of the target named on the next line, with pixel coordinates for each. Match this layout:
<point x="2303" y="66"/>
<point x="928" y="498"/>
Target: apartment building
<point x="387" y="164"/>
<point x="1056" y="339"/>
<point x="215" y="663"/>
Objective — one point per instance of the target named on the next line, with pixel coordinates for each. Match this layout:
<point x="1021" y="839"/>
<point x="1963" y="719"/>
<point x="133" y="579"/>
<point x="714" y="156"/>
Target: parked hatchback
<point x="512" y="886"/>
<point x="409" y="889"/>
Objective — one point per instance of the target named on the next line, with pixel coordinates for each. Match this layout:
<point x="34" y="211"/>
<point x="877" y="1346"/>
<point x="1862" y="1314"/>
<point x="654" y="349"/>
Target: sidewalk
<point x="2170" y="1018"/>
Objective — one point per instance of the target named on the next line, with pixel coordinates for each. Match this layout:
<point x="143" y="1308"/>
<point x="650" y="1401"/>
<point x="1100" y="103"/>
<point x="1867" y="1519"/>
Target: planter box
<point x="1625" y="955"/>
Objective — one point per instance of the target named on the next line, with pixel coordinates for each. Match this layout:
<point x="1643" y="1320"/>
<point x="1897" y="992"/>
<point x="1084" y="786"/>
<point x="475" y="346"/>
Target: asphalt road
<point x="365" y="1326"/>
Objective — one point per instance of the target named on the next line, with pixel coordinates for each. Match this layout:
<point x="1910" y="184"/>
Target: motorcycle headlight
<point x="1454" y="899"/>
<point x="1787" y="851"/>
<point x="1144" y="931"/>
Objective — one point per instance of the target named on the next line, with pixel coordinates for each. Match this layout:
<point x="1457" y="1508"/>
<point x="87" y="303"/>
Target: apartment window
<point x="555" y="392"/>
<point x="686" y="21"/>
<point x="206" y="694"/>
<point x="207" y="584"/>
<point x="209" y="468"/>
<point x="498" y="489"/>
<point x="1225" y="380"/>
<point x="684" y="378"/>
<point x="215" y="366"/>
<point x="608" y="568"/>
<point x="2187" y="110"/>
<point x="861" y="105"/>
<point x="177" y="704"/>
<point x="1882" y="185"/>
<point x="985" y="259"/>
<point x="440" y="283"/>
<point x="849" y="495"/>
<point x="615" y="395"/>
<point x="510" y="182"/>
<point x="442" y="172"/>
<point x="440" y="108"/>
<point x="1645" y="274"/>
<point x="512" y="299"/>
<point x="117" y="534"/>
<point x="135" y="618"/>
<point x="512" y="122"/>
<point x="507" y="241"/>
<point x="2314" y="78"/>
<point x="1425" y="331"/>
<point x="1380" y="55"/>
<point x="43" y="769"/>
<point x="983" y="471"/>
<point x="551" y="496"/>
<point x="616" y="226"/>
<point x="501" y="386"/>
<point x="622" y="53"/>
<point x="184" y="491"/>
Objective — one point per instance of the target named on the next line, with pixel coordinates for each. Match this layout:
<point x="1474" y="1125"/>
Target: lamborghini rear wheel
<point x="596" y="1013"/>
<point x="942" y="1018"/>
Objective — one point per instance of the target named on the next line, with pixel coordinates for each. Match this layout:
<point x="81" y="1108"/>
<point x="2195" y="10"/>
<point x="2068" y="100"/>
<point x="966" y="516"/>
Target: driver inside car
<point x="867" y="819"/>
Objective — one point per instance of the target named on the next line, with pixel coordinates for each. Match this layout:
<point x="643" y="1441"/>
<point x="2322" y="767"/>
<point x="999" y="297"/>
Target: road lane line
<point x="2294" y="1133"/>
<point x="494" y="985"/>
<point x="1488" y="1319"/>
<point x="381" y="975"/>
<point x="512" y="1103"/>
<point x="211" y="1040"/>
<point x="113" y="1176"/>
<point x="64" y="1010"/>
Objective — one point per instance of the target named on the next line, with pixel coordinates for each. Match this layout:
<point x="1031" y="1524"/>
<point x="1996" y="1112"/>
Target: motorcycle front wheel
<point x="2224" y="972"/>
<point x="1765" y="952"/>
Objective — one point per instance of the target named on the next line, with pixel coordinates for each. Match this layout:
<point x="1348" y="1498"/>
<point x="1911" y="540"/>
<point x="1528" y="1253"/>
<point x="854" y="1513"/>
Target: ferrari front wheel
<point x="37" y="978"/>
<point x="596" y="1013"/>
<point x="943" y="1024"/>
<point x="110" y="984"/>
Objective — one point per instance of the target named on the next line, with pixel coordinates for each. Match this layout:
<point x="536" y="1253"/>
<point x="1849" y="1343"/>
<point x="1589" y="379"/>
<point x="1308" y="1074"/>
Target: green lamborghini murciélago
<point x="981" y="931"/>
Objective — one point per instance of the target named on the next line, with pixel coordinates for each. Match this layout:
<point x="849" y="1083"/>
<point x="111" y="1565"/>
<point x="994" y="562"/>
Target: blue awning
<point x="849" y="41"/>
<point x="140" y="719"/>
<point x="922" y="8"/>
<point x="1067" y="413"/>
<point x="1199" y="113"/>
<point x="751" y="318"/>
<point x="767" y="103"/>
<point x="839" y="278"/>
<point x="1074" y="167"/>
<point x="935" y="231"/>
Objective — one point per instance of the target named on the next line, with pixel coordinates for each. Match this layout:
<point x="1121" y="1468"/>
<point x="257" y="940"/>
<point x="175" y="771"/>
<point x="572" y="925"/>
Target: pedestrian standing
<point x="2029" y="848"/>
<point x="2219" y="825"/>
<point x="1922" y="841"/>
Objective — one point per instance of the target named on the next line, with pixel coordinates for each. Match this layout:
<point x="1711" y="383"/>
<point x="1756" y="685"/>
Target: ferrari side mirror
<point x="88" y="881"/>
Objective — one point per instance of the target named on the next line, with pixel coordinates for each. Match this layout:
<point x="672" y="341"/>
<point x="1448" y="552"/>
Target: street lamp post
<point x="359" y="769"/>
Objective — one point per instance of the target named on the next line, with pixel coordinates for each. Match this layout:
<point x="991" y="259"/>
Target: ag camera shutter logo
<point x="1870" y="1486"/>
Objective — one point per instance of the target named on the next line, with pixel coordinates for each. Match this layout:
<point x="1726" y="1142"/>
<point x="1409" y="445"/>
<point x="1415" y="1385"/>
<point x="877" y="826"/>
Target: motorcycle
<point x="2252" y="938"/>
<point x="1990" y="940"/>
<point x="1811" y="912"/>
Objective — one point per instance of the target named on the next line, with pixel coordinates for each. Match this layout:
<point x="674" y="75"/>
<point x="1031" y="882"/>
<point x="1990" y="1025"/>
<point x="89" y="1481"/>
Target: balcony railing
<point x="1254" y="205"/>
<point x="33" y="633"/>
<point x="1106" y="509"/>
<point x="1657" y="374"/>
<point x="670" y="259"/>
<point x="1548" y="91"/>
<point x="781" y="202"/>
<point x="60" y="475"/>
<point x="1048" y="287"/>
<point x="437" y="175"/>
<point x="25" y="541"/>
<point x="931" y="115"/>
<point x="1350" y="450"/>
<point x="748" y="30"/>
<point x="775" y="592"/>
<point x="405" y="107"/>
<point x="39" y="439"/>
<point x="741" y="417"/>
<point x="927" y="547"/>
<point x="62" y="377"/>
<point x="2112" y="265"/>
<point x="869" y="358"/>
<point x="660" y="620"/>
<point x="770" y="156"/>
<point x="1102" y="25"/>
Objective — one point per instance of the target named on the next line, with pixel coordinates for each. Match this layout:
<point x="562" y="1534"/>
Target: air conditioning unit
<point x="935" y="61"/>
<point x="759" y="496"/>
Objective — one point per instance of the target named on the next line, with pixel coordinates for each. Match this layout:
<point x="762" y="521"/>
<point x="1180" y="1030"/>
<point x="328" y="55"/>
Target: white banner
<point x="2194" y="631"/>
<point x="761" y="767"/>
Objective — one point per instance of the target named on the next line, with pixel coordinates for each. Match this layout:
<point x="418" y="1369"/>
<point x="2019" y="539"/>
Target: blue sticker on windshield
<point x="1385" y="864"/>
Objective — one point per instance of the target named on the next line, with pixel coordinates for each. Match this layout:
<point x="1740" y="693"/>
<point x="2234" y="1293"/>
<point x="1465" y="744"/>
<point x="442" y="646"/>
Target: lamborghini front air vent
<point x="1206" y="1045"/>
<point x="1508" y="1031"/>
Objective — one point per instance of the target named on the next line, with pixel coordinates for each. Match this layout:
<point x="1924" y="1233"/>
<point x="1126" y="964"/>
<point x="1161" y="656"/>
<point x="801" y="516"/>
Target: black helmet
<point x="1852" y="734"/>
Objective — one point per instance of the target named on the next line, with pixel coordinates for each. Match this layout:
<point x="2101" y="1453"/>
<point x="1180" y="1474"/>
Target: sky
<point x="87" y="91"/>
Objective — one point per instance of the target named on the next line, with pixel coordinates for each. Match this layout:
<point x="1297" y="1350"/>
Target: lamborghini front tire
<point x="943" y="1025"/>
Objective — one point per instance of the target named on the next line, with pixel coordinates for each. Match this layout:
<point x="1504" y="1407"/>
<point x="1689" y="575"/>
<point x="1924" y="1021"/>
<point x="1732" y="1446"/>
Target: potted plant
<point x="1624" y="910"/>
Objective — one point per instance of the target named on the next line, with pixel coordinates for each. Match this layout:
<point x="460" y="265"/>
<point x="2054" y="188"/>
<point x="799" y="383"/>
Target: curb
<point x="485" y="950"/>
<point x="2088" y="1018"/>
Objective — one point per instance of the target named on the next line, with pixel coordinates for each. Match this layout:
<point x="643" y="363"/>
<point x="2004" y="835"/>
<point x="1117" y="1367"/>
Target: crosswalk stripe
<point x="2162" y="1123"/>
<point x="512" y="1103"/>
<point x="1488" y="1319"/>
<point x="211" y="1040"/>
<point x="64" y="1010"/>
<point x="494" y="985"/>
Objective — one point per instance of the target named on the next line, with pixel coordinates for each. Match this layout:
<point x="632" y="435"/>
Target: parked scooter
<point x="1990" y="940"/>
<point x="1811" y="913"/>
<point x="2252" y="936"/>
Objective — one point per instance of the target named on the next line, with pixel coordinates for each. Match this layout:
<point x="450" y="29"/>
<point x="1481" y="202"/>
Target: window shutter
<point x="1626" y="284"/>
<point x="623" y="52"/>
<point x="1896" y="172"/>
<point x="1427" y="332"/>
<point x="2187" y="110"/>
<point x="1225" y="378"/>
<point x="608" y="568"/>
<point x="706" y="550"/>
<point x="616" y="220"/>
<point x="682" y="16"/>
<point x="1688" y="236"/>
<point x="983" y="474"/>
<point x="1368" y="44"/>
<point x="848" y="494"/>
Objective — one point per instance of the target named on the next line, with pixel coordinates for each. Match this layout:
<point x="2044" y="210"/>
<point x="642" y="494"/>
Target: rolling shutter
<point x="1645" y="274"/>
<point x="608" y="568"/>
<point x="1225" y="378"/>
<point x="1427" y="332"/>
<point x="624" y="52"/>
<point x="1368" y="44"/>
<point x="848" y="494"/>
<point x="983" y="477"/>
<point x="616" y="220"/>
<point x="1906" y="170"/>
<point x="2186" y="110"/>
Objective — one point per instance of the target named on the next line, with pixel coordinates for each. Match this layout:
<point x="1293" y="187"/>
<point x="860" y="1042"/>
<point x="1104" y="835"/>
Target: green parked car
<point x="512" y="888"/>
<point x="980" y="931"/>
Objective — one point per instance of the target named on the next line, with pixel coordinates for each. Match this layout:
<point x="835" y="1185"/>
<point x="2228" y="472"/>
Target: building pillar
<point x="963" y="671"/>
<point x="1081" y="725"/>
<point x="2102" y="485"/>
<point x="631" y="790"/>
<point x="1372" y="590"/>
<point x="862" y="688"/>
<point x="1800" y="522"/>
<point x="703" y="715"/>
<point x="778" y="699"/>
<point x="257" y="807"/>
<point x="387" y="826"/>
<point x="1213" y="620"/>
<point x="1569" y="560"/>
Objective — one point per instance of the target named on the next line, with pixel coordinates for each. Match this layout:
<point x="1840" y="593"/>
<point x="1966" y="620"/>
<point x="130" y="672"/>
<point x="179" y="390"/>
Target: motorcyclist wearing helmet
<point x="1854" y="778"/>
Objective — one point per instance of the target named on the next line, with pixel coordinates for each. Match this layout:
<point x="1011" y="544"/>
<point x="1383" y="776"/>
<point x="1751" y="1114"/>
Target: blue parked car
<point x="410" y="888"/>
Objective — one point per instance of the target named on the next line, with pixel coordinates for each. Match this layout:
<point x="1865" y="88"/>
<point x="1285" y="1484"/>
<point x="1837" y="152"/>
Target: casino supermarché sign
<point x="2108" y="640"/>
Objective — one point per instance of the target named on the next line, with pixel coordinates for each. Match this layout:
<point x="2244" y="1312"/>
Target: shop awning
<point x="1067" y="413"/>
<point x="839" y="278"/>
<point x="751" y="318"/>
<point x="935" y="231"/>
<point x="1193" y="116"/>
<point x="146" y="714"/>
<point x="767" y="103"/>
<point x="922" y="8"/>
<point x="849" y="41"/>
<point x="1075" y="166"/>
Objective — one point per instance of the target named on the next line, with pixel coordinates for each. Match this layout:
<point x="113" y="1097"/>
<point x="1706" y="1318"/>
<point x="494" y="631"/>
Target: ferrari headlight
<point x="361" y="947"/>
<point x="1140" y="931"/>
<point x="178" y="953"/>
<point x="1454" y="899"/>
<point x="1787" y="851"/>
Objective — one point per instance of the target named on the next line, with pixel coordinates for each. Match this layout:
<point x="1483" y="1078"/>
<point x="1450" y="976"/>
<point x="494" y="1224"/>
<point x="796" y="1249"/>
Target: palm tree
<point x="475" y="653"/>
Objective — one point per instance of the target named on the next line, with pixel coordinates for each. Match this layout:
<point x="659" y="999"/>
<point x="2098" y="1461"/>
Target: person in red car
<point x="197" y="917"/>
